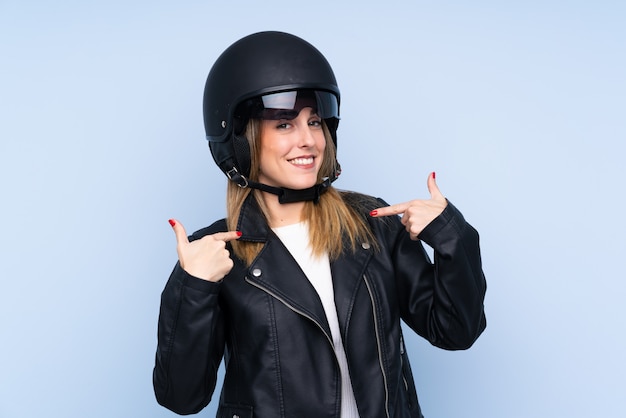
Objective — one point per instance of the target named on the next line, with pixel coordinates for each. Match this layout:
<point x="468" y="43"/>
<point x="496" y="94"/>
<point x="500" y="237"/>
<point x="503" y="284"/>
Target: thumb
<point x="433" y="189"/>
<point x="179" y="230"/>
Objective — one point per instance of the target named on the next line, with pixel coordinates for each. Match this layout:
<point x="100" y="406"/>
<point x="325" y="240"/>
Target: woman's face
<point x="291" y="151"/>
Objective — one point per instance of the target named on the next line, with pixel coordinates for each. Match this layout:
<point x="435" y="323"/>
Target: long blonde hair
<point x="330" y="220"/>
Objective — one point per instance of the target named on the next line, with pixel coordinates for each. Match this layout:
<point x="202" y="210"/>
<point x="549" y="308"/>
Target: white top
<point x="317" y="270"/>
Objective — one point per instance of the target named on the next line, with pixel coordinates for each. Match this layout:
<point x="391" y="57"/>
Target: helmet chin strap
<point x="285" y="195"/>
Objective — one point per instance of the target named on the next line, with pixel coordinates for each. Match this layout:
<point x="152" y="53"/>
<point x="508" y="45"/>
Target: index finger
<point x="226" y="236"/>
<point x="390" y="210"/>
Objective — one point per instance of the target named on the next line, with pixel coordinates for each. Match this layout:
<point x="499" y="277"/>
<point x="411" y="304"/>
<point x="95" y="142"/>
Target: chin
<point x="298" y="186"/>
<point x="293" y="182"/>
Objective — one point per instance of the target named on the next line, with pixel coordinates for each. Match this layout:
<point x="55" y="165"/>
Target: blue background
<point x="518" y="106"/>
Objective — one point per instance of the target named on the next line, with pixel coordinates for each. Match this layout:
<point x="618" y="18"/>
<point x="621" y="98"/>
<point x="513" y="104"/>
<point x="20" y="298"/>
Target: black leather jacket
<point x="268" y="323"/>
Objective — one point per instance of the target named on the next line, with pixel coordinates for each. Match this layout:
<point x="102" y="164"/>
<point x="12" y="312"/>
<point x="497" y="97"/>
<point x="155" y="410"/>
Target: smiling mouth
<point x="302" y="161"/>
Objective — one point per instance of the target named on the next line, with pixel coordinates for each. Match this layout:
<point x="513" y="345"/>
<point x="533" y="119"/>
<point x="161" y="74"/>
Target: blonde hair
<point x="330" y="220"/>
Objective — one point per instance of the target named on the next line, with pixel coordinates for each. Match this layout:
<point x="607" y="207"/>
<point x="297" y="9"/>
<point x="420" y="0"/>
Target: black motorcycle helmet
<point x="260" y="72"/>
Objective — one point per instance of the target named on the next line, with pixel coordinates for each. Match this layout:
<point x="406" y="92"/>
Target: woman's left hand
<point x="416" y="214"/>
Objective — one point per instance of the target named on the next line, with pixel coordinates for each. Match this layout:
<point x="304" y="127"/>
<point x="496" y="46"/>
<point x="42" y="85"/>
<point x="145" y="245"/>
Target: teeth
<point x="302" y="161"/>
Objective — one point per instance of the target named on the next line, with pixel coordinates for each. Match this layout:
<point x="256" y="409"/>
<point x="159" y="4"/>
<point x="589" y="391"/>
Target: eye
<point x="316" y="122"/>
<point x="283" y="125"/>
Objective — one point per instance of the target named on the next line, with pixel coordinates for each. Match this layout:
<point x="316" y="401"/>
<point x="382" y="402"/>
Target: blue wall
<point x="518" y="107"/>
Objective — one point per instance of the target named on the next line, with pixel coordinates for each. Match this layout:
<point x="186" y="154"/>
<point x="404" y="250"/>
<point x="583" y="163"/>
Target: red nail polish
<point x="172" y="222"/>
<point x="239" y="233"/>
<point x="374" y="212"/>
<point x="433" y="175"/>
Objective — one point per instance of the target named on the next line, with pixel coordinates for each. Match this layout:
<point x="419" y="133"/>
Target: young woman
<point x="302" y="288"/>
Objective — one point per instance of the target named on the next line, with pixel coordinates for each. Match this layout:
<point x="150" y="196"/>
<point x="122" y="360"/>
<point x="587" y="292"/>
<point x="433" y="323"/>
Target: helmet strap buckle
<point x="233" y="174"/>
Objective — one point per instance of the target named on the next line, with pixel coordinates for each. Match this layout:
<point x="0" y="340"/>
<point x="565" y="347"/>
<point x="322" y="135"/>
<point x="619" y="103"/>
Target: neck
<point x="282" y="214"/>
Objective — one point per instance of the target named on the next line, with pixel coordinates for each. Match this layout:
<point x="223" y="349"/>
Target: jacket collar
<point x="252" y="223"/>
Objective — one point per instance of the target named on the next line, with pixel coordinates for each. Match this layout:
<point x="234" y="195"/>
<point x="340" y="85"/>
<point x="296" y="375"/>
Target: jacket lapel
<point x="276" y="272"/>
<point x="348" y="271"/>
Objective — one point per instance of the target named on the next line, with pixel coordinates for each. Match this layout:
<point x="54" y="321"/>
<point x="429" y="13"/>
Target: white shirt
<point x="317" y="269"/>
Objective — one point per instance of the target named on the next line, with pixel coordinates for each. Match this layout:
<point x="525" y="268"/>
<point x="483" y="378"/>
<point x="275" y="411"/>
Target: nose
<point x="306" y="137"/>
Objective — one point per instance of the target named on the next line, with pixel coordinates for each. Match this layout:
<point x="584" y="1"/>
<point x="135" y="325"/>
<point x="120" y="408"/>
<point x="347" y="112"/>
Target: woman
<point x="301" y="289"/>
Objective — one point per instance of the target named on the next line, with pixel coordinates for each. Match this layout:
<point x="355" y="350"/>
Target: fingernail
<point x="172" y="222"/>
<point x="374" y="212"/>
<point x="239" y="233"/>
<point x="433" y="175"/>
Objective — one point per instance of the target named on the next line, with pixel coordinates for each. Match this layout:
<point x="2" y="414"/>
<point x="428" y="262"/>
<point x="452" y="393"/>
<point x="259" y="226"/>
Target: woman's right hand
<point x="206" y="258"/>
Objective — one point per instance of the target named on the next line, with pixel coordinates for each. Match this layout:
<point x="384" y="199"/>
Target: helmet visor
<point x="288" y="104"/>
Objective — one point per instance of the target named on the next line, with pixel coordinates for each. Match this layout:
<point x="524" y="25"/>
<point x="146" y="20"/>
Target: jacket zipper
<point x="378" y="342"/>
<point x="298" y="311"/>
<point x="290" y="306"/>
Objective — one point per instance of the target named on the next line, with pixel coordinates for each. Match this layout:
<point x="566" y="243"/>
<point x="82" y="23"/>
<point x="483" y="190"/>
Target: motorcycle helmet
<point x="260" y="76"/>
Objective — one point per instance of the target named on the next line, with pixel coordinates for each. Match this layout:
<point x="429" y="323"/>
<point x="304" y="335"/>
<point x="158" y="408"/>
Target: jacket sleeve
<point x="443" y="301"/>
<point x="190" y="343"/>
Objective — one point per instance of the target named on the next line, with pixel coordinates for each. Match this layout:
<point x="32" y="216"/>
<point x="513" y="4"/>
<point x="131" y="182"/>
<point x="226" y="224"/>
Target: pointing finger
<point x="179" y="230"/>
<point x="390" y="210"/>
<point x="227" y="236"/>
